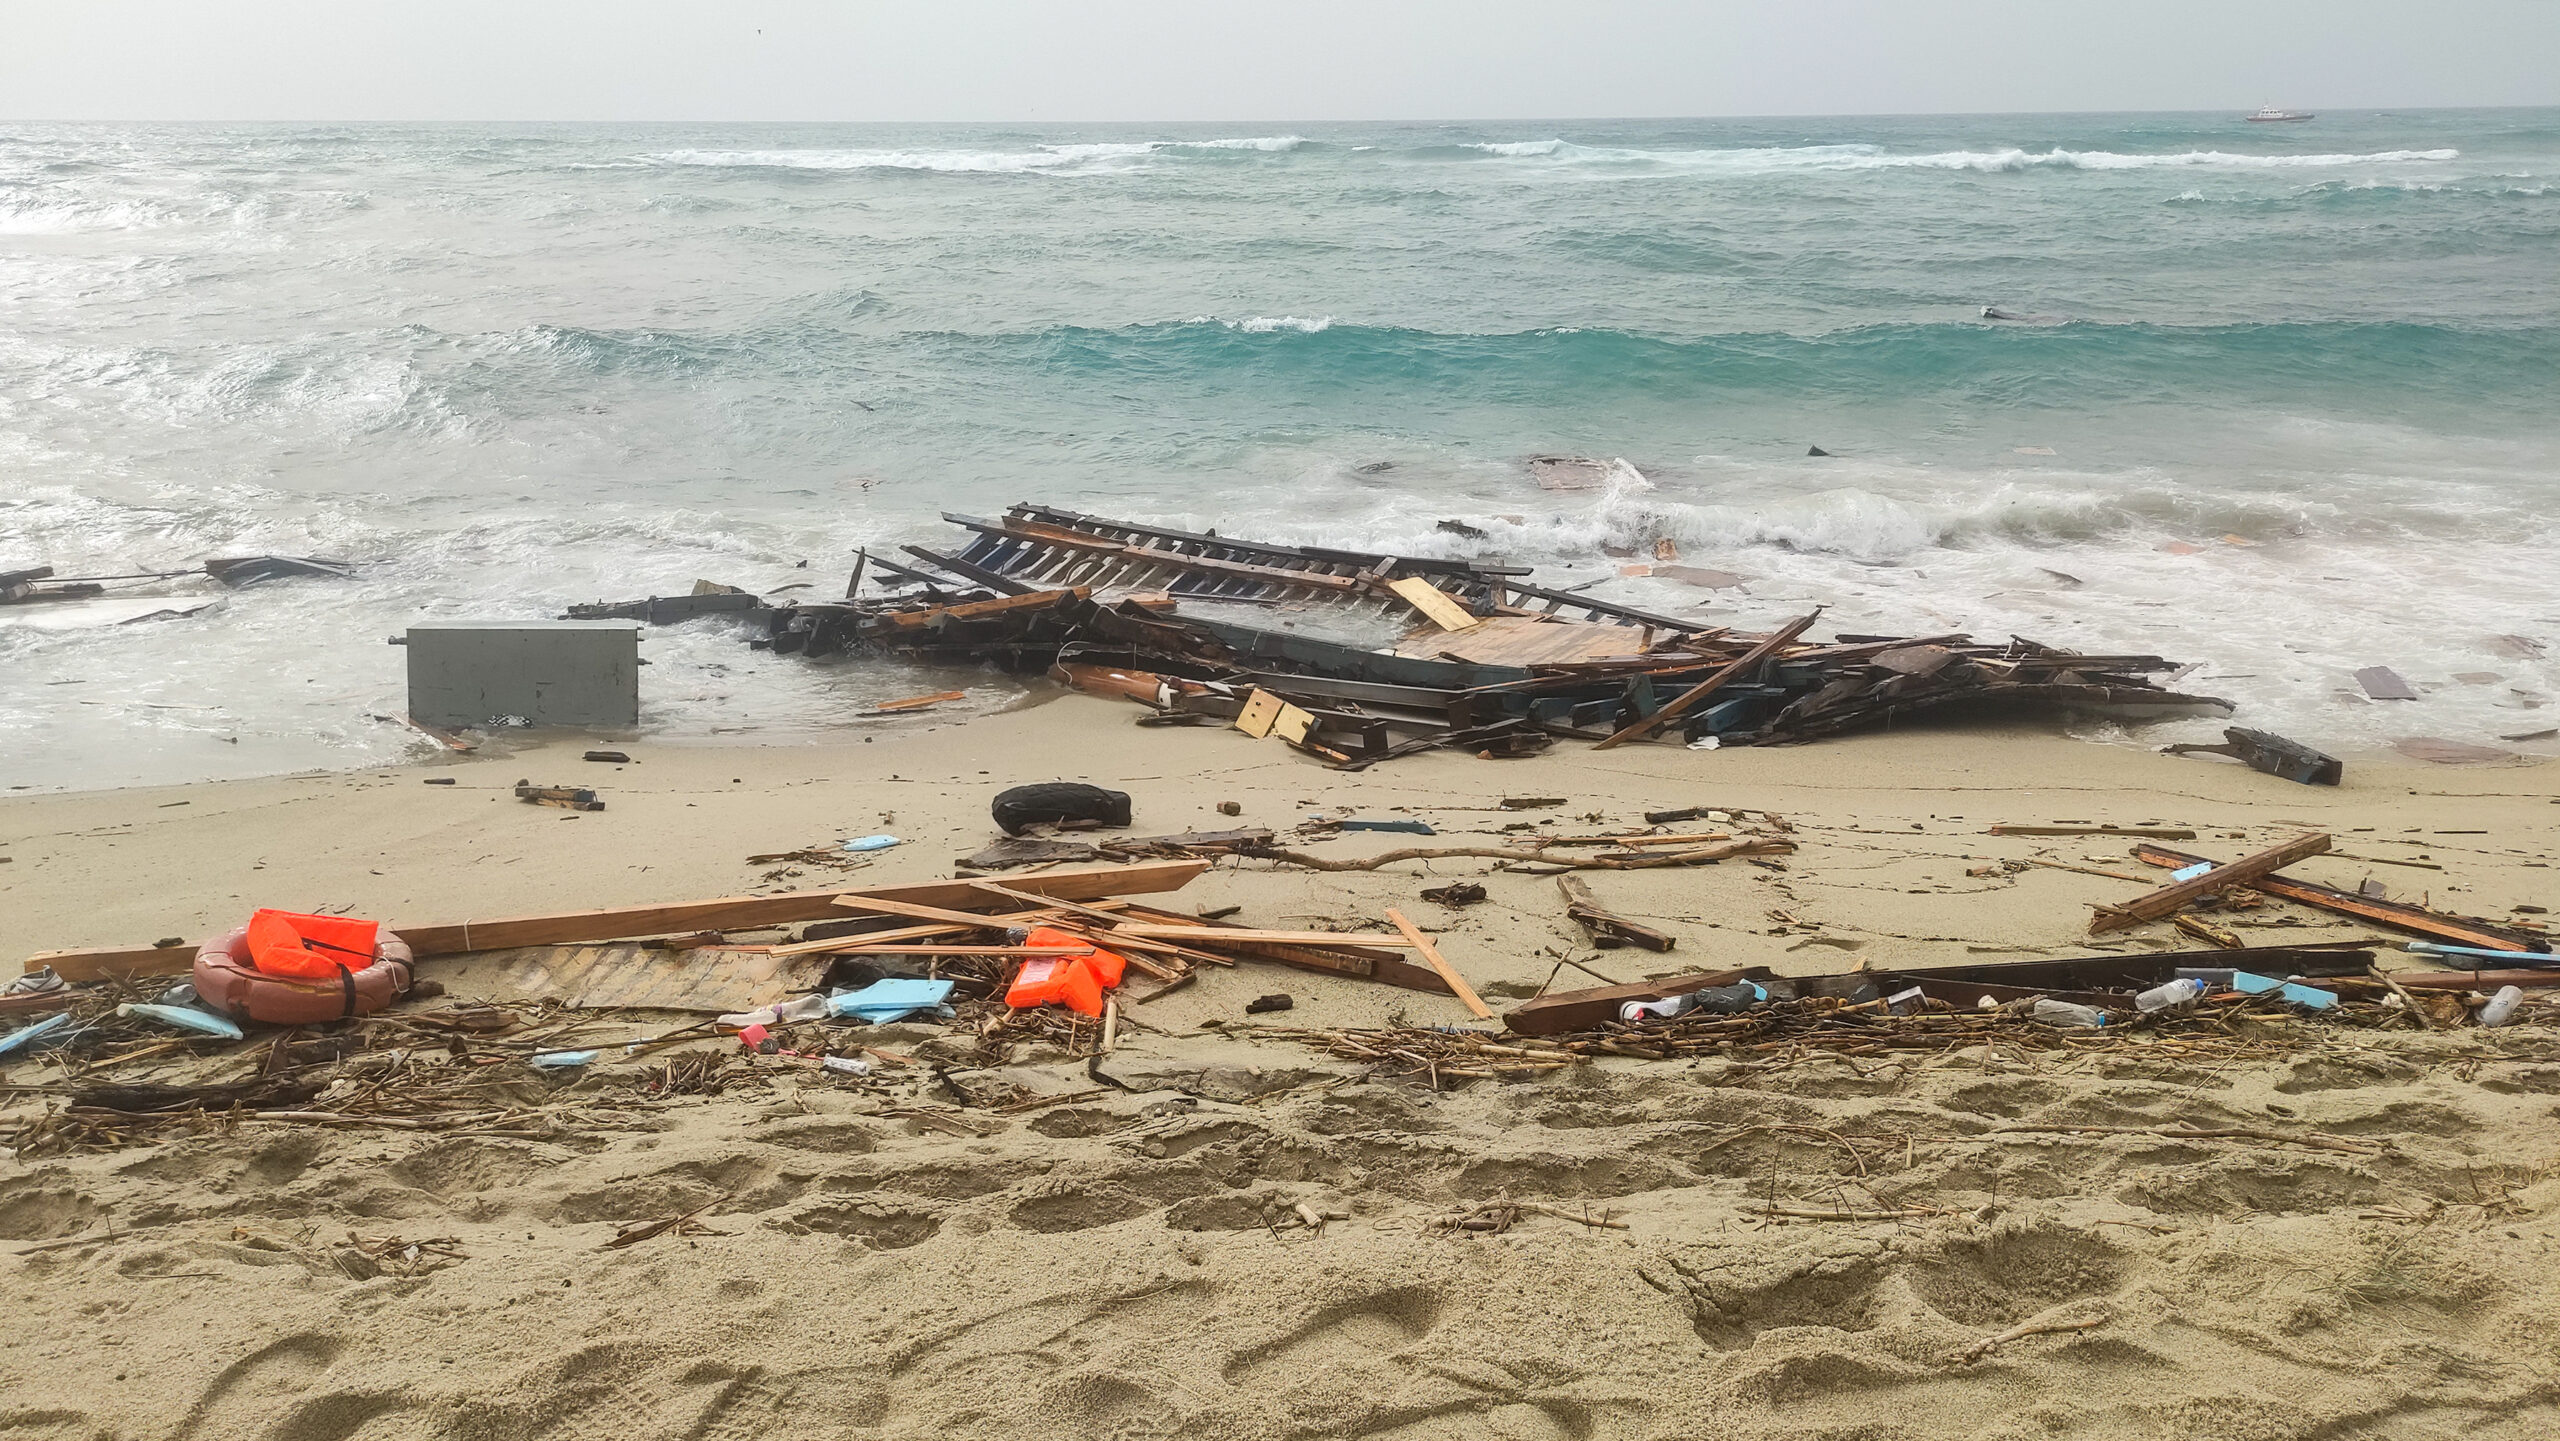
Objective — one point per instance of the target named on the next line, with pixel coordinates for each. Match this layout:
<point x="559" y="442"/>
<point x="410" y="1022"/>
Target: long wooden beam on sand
<point x="1081" y="883"/>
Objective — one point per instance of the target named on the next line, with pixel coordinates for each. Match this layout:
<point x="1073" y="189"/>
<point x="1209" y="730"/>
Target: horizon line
<point x="1266" y="120"/>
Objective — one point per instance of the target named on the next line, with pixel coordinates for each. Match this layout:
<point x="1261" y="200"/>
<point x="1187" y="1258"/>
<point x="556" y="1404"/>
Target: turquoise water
<point x="513" y="367"/>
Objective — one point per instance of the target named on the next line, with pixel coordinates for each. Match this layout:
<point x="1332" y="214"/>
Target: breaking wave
<point x="1875" y="157"/>
<point x="1098" y="157"/>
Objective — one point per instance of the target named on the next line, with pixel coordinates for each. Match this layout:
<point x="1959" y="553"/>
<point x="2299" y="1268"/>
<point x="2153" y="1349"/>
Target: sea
<point x="2279" y="400"/>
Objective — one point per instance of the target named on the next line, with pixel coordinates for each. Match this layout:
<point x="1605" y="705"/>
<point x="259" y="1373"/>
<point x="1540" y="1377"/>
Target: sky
<point x="1212" y="60"/>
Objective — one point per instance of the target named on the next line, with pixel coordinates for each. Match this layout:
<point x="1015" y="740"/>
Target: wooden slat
<point x="1204" y="935"/>
<point x="1431" y="954"/>
<point x="1434" y="603"/>
<point x="1586" y="1009"/>
<point x="2417" y="920"/>
<point x="981" y="609"/>
<point x="709" y="980"/>
<point x="1522" y="642"/>
<point x="727" y="913"/>
<point x="2170" y="898"/>
<point x="885" y="906"/>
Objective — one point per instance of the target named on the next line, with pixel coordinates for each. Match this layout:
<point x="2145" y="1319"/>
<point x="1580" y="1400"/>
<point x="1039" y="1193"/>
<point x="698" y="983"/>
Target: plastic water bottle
<point x="803" y="1008"/>
<point x="2065" y="1013"/>
<point x="2169" y="994"/>
<point x="2502" y="1006"/>
<point x="847" y="1065"/>
<point x="1723" y="1000"/>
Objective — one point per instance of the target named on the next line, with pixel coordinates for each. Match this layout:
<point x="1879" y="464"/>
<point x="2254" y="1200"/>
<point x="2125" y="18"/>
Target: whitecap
<point x="1089" y="157"/>
<point x="1871" y="157"/>
<point x="1266" y="324"/>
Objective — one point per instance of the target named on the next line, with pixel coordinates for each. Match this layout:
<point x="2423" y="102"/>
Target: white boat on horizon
<point x="2267" y="113"/>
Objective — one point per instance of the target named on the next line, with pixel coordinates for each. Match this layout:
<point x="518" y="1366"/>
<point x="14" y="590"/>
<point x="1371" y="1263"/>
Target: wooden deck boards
<point x="1515" y="640"/>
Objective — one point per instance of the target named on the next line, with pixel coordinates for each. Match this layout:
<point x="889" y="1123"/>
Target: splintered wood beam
<point x="1608" y="930"/>
<point x="1431" y="954"/>
<point x="1562" y="1011"/>
<point x="727" y="913"/>
<point x="981" y="609"/>
<point x="1741" y="665"/>
<point x="2417" y="920"/>
<point x="1210" y="935"/>
<point x="2170" y="898"/>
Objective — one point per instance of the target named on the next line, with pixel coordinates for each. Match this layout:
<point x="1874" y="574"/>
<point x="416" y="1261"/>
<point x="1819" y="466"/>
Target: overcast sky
<point x="1283" y="60"/>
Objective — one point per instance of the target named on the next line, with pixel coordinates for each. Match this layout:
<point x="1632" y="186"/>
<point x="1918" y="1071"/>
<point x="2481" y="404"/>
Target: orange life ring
<point x="229" y="982"/>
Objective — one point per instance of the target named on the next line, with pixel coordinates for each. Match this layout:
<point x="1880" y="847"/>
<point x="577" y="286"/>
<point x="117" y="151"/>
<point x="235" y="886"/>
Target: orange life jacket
<point x="1076" y="982"/>
<point x="282" y="943"/>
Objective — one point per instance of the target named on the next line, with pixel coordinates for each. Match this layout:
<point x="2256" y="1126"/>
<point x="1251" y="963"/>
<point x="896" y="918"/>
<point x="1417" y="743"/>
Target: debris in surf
<point x="2383" y="683"/>
<point x="1357" y="658"/>
<point x="2273" y="754"/>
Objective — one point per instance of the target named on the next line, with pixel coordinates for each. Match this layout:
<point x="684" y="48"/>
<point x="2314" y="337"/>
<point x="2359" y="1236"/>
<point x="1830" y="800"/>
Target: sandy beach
<point x="1129" y="1262"/>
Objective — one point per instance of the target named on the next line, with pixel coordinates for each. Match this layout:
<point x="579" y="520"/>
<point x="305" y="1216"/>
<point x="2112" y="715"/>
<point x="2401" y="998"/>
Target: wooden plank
<point x="988" y="950"/>
<point x="1607" y="929"/>
<point x="1586" y="1009"/>
<point x="885" y="906"/>
<point x="709" y="980"/>
<point x="1292" y="724"/>
<point x="1433" y="602"/>
<point x="1261" y="712"/>
<point x="2383" y="683"/>
<point x="727" y="913"/>
<point x="1524" y="641"/>
<point x="917" y="702"/>
<point x="1373" y="965"/>
<point x="2417" y="920"/>
<point x="1705" y="688"/>
<point x="2170" y="898"/>
<point x="2157" y="833"/>
<point x="2474" y="980"/>
<point x="981" y="609"/>
<point x="1201" y="935"/>
<point x="992" y="580"/>
<point x="1430" y="953"/>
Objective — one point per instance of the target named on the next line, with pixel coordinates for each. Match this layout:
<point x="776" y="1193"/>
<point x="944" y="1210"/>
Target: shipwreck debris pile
<point x="1357" y="658"/>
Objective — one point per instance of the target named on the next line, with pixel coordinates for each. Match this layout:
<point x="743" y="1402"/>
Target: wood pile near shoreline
<point x="1357" y="658"/>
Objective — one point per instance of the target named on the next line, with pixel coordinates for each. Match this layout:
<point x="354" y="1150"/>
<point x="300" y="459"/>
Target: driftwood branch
<point x="1989" y="1344"/>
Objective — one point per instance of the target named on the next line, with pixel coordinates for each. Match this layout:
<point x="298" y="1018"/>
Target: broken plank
<point x="729" y="913"/>
<point x="709" y="980"/>
<point x="889" y="906"/>
<point x="981" y="609"/>
<point x="2472" y="980"/>
<point x="1431" y="954"/>
<point x="2271" y="753"/>
<point x="2170" y="898"/>
<point x="2383" y="683"/>
<point x="1607" y="929"/>
<point x="2417" y="920"/>
<point x="1553" y="1015"/>
<point x="1205" y="935"/>
<point x="2156" y="833"/>
<point x="1434" y="603"/>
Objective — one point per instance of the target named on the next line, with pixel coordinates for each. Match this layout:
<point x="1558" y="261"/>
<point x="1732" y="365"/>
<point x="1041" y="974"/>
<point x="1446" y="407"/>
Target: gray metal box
<point x="551" y="672"/>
